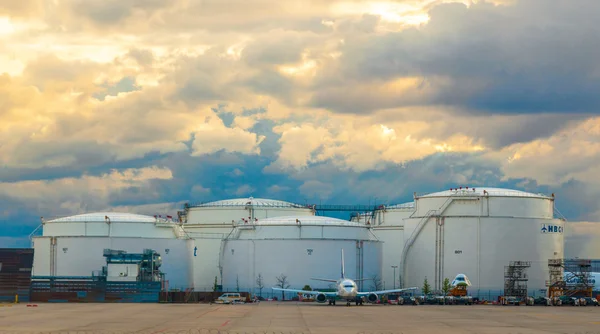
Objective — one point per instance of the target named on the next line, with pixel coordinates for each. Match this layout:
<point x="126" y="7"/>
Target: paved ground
<point x="291" y="317"/>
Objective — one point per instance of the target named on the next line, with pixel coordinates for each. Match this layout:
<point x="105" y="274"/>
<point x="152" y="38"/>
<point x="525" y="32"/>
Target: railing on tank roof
<point x="270" y="205"/>
<point x="473" y="192"/>
<point x="317" y="207"/>
<point x="112" y="218"/>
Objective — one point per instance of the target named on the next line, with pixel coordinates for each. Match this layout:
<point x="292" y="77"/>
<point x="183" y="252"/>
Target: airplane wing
<point x="325" y="280"/>
<point x="328" y="294"/>
<point x="384" y="292"/>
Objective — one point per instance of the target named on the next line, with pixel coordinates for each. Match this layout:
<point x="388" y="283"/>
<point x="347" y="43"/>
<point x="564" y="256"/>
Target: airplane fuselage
<point x="347" y="289"/>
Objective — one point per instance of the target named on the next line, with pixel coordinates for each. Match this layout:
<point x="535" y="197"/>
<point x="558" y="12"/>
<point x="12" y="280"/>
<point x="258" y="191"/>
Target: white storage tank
<point x="477" y="232"/>
<point x="210" y="223"/>
<point x="299" y="248"/>
<point x="74" y="245"/>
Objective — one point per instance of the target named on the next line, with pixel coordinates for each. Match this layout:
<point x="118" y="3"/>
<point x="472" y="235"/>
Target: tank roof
<point x="478" y="191"/>
<point x="94" y="217"/>
<point x="255" y="202"/>
<point x="408" y="205"/>
<point x="307" y="220"/>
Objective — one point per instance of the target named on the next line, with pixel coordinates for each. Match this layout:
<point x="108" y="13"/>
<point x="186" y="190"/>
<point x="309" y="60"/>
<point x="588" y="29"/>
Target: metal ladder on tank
<point x="419" y="228"/>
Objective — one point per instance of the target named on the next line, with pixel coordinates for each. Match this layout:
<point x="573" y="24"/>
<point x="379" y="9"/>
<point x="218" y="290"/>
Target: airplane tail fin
<point x="343" y="270"/>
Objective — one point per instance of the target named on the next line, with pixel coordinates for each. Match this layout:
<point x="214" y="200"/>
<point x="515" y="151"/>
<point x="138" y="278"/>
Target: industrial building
<point x="473" y="231"/>
<point x="230" y="243"/>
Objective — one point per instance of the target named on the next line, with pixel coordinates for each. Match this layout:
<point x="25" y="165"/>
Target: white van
<point x="230" y="297"/>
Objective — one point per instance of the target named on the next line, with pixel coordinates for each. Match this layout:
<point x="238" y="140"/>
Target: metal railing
<point x="471" y="192"/>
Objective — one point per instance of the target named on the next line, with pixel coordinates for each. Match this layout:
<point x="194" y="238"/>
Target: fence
<point x="15" y="273"/>
<point x="88" y="291"/>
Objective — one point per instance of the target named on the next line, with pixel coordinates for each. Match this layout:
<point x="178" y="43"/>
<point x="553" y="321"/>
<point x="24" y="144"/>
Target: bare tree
<point x="237" y="283"/>
<point x="376" y="286"/>
<point x="260" y="284"/>
<point x="282" y="282"/>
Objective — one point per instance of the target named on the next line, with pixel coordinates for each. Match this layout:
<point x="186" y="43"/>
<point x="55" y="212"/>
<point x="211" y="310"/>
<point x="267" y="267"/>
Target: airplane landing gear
<point x="358" y="301"/>
<point x="332" y="302"/>
<point x="348" y="303"/>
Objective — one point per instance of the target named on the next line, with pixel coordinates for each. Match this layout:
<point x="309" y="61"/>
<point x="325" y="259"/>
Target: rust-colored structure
<point x="15" y="273"/>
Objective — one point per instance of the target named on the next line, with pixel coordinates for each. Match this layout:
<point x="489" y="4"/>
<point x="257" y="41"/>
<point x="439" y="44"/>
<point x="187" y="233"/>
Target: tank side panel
<point x="423" y="205"/>
<point x="41" y="256"/>
<point x="59" y="229"/>
<point x="224" y="215"/>
<point x="216" y="215"/>
<point x="392" y="244"/>
<point x="145" y="230"/>
<point x="460" y="251"/>
<point x="373" y="264"/>
<point x="206" y="263"/>
<point x="521" y="207"/>
<point x="505" y="240"/>
<point x="392" y="217"/>
<point x="96" y="229"/>
<point x="420" y="261"/>
<point x="281" y="212"/>
<point x="80" y="256"/>
<point x="299" y="260"/>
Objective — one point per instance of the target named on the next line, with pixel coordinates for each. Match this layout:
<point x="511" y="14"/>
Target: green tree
<point x="426" y="287"/>
<point x="307" y="288"/>
<point x="237" y="283"/>
<point x="216" y="284"/>
<point x="446" y="286"/>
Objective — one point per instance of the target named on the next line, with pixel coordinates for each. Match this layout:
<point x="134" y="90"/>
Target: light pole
<point x="394" y="275"/>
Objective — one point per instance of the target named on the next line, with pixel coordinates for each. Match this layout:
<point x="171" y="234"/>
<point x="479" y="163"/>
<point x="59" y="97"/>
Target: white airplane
<point x="346" y="290"/>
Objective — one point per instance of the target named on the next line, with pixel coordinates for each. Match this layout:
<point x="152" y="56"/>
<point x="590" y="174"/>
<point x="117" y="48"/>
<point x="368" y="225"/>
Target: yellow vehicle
<point x="230" y="298"/>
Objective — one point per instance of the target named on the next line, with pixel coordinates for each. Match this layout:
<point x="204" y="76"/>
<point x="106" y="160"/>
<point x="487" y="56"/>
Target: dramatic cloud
<point x="68" y="195"/>
<point x="143" y="105"/>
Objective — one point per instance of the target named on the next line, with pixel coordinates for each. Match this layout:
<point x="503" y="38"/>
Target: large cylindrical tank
<point x="299" y="248"/>
<point x="210" y="223"/>
<point x="74" y="245"/>
<point x="110" y="224"/>
<point x="478" y="232"/>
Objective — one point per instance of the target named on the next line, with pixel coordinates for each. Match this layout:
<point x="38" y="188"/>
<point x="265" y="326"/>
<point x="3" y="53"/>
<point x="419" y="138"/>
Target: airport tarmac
<point x="295" y="317"/>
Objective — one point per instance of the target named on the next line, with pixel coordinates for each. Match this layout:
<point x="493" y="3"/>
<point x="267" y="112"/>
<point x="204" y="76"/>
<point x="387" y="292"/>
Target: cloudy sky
<point x="141" y="106"/>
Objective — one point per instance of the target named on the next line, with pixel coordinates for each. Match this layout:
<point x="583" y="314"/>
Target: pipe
<point x="443" y="249"/>
<point x="437" y="252"/>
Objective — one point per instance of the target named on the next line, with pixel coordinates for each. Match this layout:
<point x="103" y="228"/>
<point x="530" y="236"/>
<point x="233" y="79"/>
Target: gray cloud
<point x="525" y="58"/>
